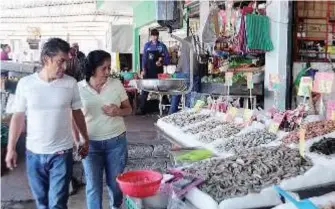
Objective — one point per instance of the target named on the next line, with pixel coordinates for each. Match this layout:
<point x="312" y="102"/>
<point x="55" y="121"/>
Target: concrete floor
<point x="146" y="150"/>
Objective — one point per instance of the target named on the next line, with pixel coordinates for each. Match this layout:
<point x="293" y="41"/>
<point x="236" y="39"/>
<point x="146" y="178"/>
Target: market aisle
<point x="145" y="151"/>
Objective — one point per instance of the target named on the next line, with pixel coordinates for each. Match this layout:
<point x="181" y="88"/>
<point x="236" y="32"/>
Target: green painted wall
<point x="144" y="13"/>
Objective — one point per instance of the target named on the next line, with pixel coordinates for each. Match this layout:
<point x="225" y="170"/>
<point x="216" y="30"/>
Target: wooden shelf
<point x="311" y="39"/>
<point x="312" y="18"/>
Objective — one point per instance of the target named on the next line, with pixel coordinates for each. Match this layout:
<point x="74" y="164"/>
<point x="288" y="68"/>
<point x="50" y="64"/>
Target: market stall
<point x="239" y="150"/>
<point x="250" y="159"/>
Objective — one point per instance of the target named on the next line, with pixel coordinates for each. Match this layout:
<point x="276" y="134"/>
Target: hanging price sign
<point x="250" y="82"/>
<point x="330" y="110"/>
<point x="274" y="127"/>
<point x="198" y="105"/>
<point x="231" y="113"/>
<point x="274" y="81"/>
<point x="305" y="86"/>
<point x="229" y="78"/>
<point x="302" y="135"/>
<point x="276" y="121"/>
<point x="323" y="82"/>
<point x="248" y="115"/>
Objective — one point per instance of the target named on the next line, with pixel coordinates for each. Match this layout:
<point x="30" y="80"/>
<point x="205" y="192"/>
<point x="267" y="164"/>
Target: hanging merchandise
<point x="258" y="32"/>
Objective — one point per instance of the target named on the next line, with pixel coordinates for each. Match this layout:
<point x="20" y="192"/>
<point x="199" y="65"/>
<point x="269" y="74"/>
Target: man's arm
<point x="166" y="55"/>
<point x="16" y="124"/>
<point x="15" y="130"/>
<point x="80" y="124"/>
<point x="144" y="57"/>
<point x="75" y="132"/>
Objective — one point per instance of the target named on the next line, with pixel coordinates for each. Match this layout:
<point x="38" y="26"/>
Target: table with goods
<point x="242" y="154"/>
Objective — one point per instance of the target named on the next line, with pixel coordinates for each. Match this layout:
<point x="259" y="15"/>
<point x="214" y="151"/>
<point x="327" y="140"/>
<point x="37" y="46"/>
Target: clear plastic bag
<point x="176" y="203"/>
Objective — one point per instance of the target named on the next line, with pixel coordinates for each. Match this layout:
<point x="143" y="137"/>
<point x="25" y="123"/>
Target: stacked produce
<point x="246" y="141"/>
<point x="313" y="129"/>
<point x="222" y="132"/>
<point x="249" y="171"/>
<point x="325" y="146"/>
<point x="208" y="126"/>
<point x="185" y="118"/>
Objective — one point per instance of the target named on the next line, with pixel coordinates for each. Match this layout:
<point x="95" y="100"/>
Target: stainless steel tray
<point x="166" y="85"/>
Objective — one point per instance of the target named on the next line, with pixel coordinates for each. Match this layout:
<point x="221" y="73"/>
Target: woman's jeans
<point x="108" y="156"/>
<point x="175" y="100"/>
<point x="49" y="177"/>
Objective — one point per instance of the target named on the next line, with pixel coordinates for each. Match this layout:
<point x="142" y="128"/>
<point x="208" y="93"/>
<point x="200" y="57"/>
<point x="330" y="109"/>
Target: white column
<point x="204" y="12"/>
<point x="275" y="61"/>
<point x="109" y="38"/>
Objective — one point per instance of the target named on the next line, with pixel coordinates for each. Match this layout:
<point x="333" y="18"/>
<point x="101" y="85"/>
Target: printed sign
<point x="276" y="121"/>
<point x="305" y="86"/>
<point x="248" y="115"/>
<point x="274" y="81"/>
<point x="250" y="82"/>
<point x="302" y="135"/>
<point x="330" y="109"/>
<point x="323" y="82"/>
<point x="229" y="78"/>
<point x="231" y="113"/>
<point x="198" y="105"/>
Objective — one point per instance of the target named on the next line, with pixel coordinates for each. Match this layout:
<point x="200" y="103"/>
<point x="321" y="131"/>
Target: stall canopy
<point x="69" y="19"/>
<point x="122" y="38"/>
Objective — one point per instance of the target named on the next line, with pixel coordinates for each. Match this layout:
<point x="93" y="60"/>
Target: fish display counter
<point x="250" y="158"/>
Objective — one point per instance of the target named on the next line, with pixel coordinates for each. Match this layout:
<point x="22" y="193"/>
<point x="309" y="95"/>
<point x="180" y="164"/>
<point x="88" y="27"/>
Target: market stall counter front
<point x="247" y="160"/>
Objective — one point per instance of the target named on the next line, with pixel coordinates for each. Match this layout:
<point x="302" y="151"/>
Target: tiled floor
<point x="145" y="151"/>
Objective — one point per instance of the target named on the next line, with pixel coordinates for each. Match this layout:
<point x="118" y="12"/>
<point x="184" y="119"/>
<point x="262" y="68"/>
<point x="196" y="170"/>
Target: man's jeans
<point x="175" y="100"/>
<point x="109" y="156"/>
<point x="49" y="178"/>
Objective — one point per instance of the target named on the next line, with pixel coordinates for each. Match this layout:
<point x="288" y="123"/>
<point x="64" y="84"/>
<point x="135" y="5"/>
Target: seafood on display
<point x="313" y="129"/>
<point x="245" y="141"/>
<point x="223" y="132"/>
<point x="185" y="118"/>
<point x="204" y="127"/>
<point x="329" y="206"/>
<point x="325" y="146"/>
<point x="248" y="172"/>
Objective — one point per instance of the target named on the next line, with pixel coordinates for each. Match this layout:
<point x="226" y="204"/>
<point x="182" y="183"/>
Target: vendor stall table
<point x="303" y="193"/>
<point x="133" y="91"/>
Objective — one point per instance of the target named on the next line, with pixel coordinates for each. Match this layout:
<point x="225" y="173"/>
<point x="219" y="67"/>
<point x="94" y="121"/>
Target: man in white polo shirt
<point x="49" y="98"/>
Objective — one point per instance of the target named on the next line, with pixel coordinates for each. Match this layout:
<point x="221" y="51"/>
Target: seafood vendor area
<point x="162" y="104"/>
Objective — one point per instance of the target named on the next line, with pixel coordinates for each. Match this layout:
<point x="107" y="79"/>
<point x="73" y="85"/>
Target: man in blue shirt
<point x="155" y="55"/>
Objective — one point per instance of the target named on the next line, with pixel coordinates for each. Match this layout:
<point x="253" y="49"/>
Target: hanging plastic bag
<point x="258" y="32"/>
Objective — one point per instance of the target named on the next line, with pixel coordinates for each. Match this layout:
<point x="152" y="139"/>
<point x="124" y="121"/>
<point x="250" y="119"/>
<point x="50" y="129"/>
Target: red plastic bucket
<point x="140" y="183"/>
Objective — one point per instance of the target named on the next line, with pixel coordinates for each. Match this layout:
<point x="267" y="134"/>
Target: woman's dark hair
<point x="3" y="46"/>
<point x="93" y="60"/>
<point x="54" y="46"/>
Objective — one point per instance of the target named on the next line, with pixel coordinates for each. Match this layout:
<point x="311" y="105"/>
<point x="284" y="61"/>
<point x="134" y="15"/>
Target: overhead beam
<point x="40" y="3"/>
<point x="5" y="26"/>
<point x="69" y="19"/>
<point x="54" y="33"/>
<point x="63" y="10"/>
<point x="47" y="27"/>
<point x="73" y="37"/>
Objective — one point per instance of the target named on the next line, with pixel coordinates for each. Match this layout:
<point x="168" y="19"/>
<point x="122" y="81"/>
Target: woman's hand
<point x="111" y="110"/>
<point x="83" y="149"/>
